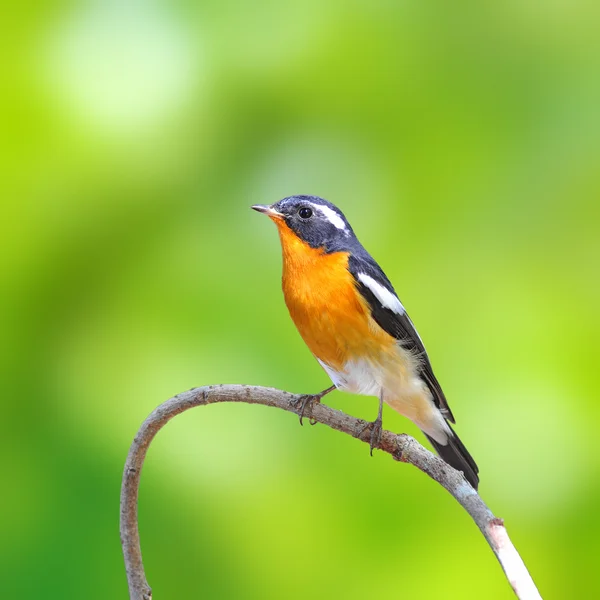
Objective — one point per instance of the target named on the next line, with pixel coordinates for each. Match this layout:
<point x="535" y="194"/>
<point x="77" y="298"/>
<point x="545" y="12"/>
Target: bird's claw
<point x="376" y="433"/>
<point x="301" y="402"/>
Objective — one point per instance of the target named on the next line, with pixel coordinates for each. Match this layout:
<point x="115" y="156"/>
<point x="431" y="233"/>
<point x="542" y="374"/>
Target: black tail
<point x="457" y="456"/>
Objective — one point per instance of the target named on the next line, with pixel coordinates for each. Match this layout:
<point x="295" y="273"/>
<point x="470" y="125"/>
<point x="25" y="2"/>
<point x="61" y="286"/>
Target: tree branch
<point x="402" y="447"/>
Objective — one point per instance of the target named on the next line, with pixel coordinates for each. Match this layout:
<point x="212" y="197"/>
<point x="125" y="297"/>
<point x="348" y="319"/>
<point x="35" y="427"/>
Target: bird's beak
<point x="267" y="210"/>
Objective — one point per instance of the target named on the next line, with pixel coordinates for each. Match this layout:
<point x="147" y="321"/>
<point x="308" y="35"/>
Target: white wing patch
<point x="331" y="216"/>
<point x="387" y="298"/>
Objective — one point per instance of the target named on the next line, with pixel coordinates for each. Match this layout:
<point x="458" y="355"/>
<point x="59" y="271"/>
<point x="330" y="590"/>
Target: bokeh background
<point x="463" y="143"/>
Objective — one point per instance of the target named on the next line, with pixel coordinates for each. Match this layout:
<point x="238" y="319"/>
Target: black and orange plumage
<point x="351" y="319"/>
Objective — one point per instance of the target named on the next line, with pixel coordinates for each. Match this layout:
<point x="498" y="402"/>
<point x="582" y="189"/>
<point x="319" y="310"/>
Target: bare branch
<point x="402" y="447"/>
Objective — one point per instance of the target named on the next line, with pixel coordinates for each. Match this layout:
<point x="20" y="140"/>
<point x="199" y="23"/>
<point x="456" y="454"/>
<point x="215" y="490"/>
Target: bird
<point x="350" y="317"/>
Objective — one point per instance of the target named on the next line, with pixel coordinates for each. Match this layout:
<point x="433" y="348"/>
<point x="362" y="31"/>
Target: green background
<point x="462" y="140"/>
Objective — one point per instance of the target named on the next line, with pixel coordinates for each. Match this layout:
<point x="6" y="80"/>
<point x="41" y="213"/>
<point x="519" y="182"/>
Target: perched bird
<point x="350" y="317"/>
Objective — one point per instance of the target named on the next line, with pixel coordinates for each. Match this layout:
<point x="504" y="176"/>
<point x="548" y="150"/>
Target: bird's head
<point x="313" y="220"/>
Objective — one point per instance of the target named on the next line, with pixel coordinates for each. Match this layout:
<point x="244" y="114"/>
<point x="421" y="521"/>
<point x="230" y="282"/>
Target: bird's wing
<point x="390" y="315"/>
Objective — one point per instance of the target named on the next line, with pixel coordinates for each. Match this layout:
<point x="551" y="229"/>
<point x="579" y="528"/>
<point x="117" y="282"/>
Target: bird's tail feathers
<point x="457" y="456"/>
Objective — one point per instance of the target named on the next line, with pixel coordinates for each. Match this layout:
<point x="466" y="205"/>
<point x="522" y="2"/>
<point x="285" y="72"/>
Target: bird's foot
<point x="301" y="402"/>
<point x="376" y="427"/>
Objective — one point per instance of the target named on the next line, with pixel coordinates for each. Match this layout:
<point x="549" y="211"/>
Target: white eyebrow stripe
<point x="331" y="216"/>
<point x="387" y="298"/>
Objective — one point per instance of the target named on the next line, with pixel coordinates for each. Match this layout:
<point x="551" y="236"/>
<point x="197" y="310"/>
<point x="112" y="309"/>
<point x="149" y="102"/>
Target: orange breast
<point x="332" y="317"/>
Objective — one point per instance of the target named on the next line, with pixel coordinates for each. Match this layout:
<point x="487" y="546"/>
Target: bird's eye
<point x="305" y="213"/>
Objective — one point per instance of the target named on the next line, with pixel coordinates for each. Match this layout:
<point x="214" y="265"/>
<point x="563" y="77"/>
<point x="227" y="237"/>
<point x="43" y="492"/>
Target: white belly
<point x="400" y="386"/>
<point x="358" y="377"/>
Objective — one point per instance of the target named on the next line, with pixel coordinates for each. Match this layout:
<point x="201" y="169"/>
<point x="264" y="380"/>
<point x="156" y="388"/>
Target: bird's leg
<point x="304" y="400"/>
<point x="376" y="427"/>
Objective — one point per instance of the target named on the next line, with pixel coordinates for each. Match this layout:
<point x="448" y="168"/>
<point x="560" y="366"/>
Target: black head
<point x="314" y="220"/>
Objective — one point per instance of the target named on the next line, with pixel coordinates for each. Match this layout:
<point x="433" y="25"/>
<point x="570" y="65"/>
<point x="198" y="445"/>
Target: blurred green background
<point x="463" y="143"/>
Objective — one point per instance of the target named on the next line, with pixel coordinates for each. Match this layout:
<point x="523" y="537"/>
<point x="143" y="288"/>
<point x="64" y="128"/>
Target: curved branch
<point x="402" y="447"/>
